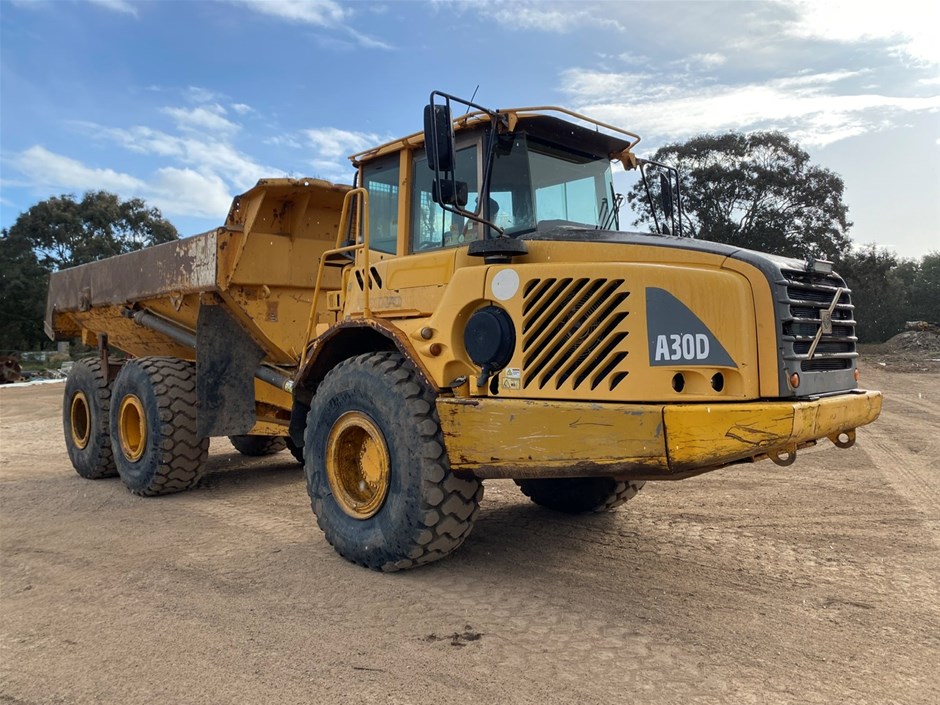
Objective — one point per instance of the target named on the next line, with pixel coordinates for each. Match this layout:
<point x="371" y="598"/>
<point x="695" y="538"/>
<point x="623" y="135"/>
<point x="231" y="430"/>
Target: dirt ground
<point x="816" y="583"/>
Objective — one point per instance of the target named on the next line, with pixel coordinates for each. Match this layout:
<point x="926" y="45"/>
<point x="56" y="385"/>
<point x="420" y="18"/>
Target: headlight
<point x="490" y="338"/>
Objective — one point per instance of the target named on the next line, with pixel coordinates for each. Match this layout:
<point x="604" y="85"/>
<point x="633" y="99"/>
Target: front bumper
<point x="510" y="438"/>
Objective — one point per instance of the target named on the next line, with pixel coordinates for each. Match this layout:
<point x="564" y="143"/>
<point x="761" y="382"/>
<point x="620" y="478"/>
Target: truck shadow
<point x="234" y="472"/>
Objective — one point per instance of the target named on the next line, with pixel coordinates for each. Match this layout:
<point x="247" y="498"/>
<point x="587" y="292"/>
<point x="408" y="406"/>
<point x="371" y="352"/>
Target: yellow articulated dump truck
<point x="467" y="310"/>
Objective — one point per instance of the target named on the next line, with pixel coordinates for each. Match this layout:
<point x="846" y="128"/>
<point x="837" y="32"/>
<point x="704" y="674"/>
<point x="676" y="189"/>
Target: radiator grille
<point x="574" y="333"/>
<point x="807" y="298"/>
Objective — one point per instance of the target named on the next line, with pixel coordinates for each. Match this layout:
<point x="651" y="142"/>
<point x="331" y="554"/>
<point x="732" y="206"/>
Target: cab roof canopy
<point x="552" y="128"/>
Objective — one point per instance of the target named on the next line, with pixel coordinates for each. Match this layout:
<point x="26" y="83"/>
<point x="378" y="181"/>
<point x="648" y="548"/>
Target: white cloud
<point x="588" y="86"/>
<point x="315" y="13"/>
<point x="203" y="118"/>
<point x="334" y="143"/>
<point x="235" y="167"/>
<point x="539" y="15"/>
<point x="142" y="140"/>
<point x="367" y="41"/>
<point x="187" y="192"/>
<point x="199" y="94"/>
<point x="205" y="154"/>
<point x="122" y="6"/>
<point x="334" y="171"/>
<point x="176" y="192"/>
<point x="196" y="167"/>
<point x="45" y="168"/>
<point x="322" y="13"/>
<point x="288" y="141"/>
<point x="710" y="60"/>
<point x="633" y="59"/>
<point x="242" y="108"/>
<point x="804" y="106"/>
<point x="911" y="25"/>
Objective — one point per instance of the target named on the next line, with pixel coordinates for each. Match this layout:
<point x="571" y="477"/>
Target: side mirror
<point x="451" y="193"/>
<point x="665" y="195"/>
<point x="439" y="137"/>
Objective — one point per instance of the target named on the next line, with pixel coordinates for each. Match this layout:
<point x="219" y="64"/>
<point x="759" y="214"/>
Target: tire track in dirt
<point x="922" y="404"/>
<point x="912" y="476"/>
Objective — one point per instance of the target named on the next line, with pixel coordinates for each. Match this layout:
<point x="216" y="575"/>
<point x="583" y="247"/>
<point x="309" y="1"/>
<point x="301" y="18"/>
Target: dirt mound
<point x="917" y="349"/>
<point x="919" y="336"/>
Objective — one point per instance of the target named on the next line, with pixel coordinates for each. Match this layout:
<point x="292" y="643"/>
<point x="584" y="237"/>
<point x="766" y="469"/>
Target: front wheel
<point x="578" y="495"/>
<point x="377" y="473"/>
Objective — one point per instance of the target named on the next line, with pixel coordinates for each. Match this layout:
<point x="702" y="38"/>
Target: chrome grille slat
<point x="806" y="296"/>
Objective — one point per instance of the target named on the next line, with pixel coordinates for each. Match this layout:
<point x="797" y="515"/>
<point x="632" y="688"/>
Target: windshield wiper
<point x="609" y="216"/>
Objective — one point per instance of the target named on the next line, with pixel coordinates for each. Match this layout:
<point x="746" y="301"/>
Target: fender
<point x="341" y="342"/>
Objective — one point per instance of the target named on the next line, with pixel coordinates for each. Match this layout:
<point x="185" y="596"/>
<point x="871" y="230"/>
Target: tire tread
<point x="182" y="452"/>
<point x="579" y="495"/>
<point x="451" y="502"/>
<point x="104" y="465"/>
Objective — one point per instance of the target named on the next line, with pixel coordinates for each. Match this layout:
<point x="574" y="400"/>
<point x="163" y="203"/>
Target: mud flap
<point x="226" y="359"/>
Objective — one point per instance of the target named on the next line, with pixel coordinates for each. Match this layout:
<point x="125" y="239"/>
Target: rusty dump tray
<point x="180" y="267"/>
<point x="173" y="268"/>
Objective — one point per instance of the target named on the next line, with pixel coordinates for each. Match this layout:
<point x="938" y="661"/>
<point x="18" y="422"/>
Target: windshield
<point x="536" y="185"/>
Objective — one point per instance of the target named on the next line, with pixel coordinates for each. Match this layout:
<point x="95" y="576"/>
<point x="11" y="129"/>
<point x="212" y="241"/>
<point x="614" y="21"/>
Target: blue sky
<point x="187" y="103"/>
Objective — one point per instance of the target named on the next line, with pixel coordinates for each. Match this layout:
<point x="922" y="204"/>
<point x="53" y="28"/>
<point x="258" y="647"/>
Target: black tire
<point x="578" y="495"/>
<point x="295" y="450"/>
<point x="153" y="423"/>
<point x="258" y="445"/>
<point x="426" y="511"/>
<point x="85" y="420"/>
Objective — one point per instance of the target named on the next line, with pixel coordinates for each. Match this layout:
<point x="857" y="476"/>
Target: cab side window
<point x="380" y="179"/>
<point x="431" y="226"/>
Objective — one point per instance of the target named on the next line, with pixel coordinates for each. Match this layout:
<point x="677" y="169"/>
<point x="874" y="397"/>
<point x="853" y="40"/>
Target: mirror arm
<point x="496" y="121"/>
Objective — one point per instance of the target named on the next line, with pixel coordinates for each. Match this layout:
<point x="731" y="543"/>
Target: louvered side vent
<point x="809" y="297"/>
<point x="574" y="334"/>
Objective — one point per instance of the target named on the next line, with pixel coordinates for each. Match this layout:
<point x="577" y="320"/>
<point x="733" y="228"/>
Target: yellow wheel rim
<point x="132" y="427"/>
<point x="357" y="465"/>
<point x="80" y="420"/>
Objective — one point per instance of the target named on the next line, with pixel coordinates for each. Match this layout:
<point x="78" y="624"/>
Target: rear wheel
<point x="377" y="473"/>
<point x="153" y="423"/>
<point x="258" y="445"/>
<point x="85" y="411"/>
<point x="577" y="495"/>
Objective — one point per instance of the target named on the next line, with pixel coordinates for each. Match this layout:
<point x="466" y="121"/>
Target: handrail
<point x="344" y="218"/>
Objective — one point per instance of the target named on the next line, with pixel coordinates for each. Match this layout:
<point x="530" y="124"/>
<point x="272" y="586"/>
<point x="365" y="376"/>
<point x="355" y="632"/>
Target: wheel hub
<point x="132" y="427"/>
<point x="80" y="420"/>
<point x="357" y="465"/>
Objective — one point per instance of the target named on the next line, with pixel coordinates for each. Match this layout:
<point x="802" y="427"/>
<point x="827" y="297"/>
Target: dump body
<point x="260" y="268"/>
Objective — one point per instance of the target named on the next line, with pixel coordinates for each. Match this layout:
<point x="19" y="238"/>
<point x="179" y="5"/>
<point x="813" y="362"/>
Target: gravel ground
<point x="816" y="583"/>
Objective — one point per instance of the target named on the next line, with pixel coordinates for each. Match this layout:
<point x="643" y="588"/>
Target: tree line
<point x="58" y="233"/>
<point x="757" y="191"/>
<point x="888" y="291"/>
